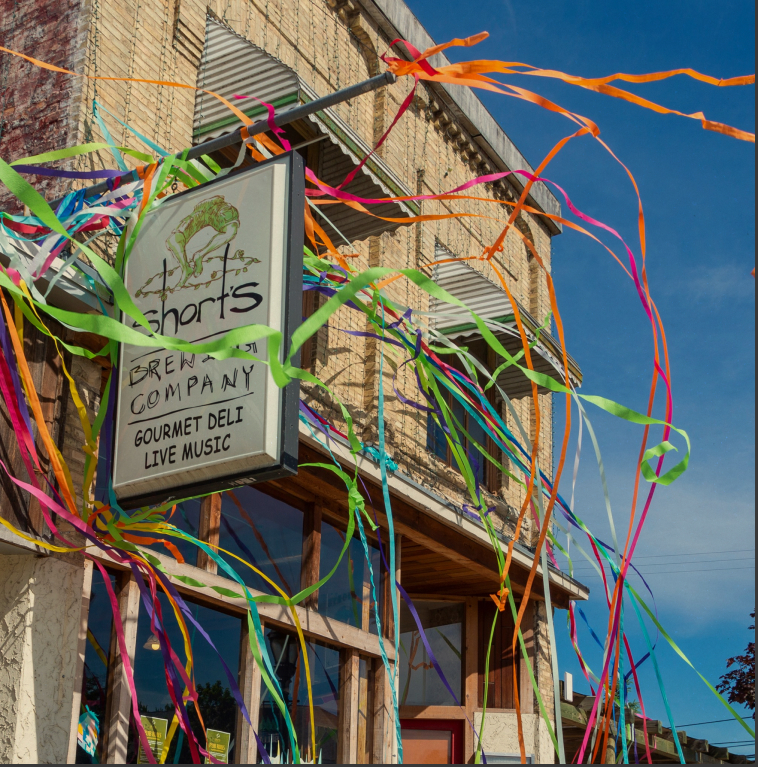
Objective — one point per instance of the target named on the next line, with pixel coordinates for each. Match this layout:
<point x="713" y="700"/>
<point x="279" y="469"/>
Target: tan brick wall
<point x="329" y="49"/>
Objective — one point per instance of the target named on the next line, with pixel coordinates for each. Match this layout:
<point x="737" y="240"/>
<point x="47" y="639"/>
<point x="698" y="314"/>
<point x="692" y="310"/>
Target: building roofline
<point x="397" y="19"/>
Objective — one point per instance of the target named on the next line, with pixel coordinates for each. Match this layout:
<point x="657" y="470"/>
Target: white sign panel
<point x="205" y="262"/>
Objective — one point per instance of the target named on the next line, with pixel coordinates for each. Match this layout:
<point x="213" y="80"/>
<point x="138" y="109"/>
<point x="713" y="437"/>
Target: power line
<point x="692" y="554"/>
<point x="701" y="570"/>
<point x="712" y="721"/>
<point x="731" y="742"/>
<point x="704" y="562"/>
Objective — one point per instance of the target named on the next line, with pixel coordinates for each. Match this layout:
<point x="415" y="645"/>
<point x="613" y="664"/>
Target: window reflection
<point x="215" y="701"/>
<point x="96" y="661"/>
<point x="324" y="666"/>
<point x="186" y="517"/>
<point x="347" y="595"/>
<point x="267" y="534"/>
<point x="420" y="684"/>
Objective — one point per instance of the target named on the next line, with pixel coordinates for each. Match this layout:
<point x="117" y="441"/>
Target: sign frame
<point x="287" y="461"/>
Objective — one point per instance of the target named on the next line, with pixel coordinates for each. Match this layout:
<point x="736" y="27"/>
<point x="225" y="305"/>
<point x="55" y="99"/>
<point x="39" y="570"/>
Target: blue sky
<point x="697" y="549"/>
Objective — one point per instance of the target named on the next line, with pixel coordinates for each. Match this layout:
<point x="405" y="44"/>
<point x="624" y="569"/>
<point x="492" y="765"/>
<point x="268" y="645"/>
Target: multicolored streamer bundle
<point x="406" y="336"/>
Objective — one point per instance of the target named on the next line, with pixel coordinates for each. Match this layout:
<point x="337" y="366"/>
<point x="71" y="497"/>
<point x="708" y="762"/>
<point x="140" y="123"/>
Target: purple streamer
<point x="38" y="170"/>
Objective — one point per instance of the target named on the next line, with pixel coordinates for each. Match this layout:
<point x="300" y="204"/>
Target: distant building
<point x="59" y="650"/>
<point x="575" y="714"/>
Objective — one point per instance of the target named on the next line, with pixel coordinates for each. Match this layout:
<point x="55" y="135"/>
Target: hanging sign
<point x="206" y="261"/>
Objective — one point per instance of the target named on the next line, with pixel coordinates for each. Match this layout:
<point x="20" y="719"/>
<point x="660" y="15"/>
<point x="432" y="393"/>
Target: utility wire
<point x="701" y="570"/>
<point x="712" y="721"/>
<point x="692" y="554"/>
<point x="730" y="742"/>
<point x="666" y="564"/>
<point x="646" y="565"/>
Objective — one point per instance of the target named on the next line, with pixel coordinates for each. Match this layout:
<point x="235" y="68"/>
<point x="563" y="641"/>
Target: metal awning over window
<point x="233" y="65"/>
<point x="490" y="302"/>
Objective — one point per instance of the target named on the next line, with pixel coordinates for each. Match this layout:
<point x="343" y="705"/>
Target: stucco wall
<point x="501" y="735"/>
<point x="40" y="610"/>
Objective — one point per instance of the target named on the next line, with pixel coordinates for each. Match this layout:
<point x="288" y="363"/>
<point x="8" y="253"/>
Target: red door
<point x="432" y="741"/>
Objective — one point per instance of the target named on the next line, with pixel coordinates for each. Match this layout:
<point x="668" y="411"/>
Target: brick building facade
<point x="445" y="138"/>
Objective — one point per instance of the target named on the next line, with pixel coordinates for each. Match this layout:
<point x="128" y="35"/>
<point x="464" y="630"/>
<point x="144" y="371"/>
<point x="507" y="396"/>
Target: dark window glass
<point x="499" y="680"/>
<point x="476" y="459"/>
<point x="324" y="665"/>
<point x="96" y="661"/>
<point x="215" y="701"/>
<point x="420" y="685"/>
<point x="486" y="474"/>
<point x="266" y="533"/>
<point x="436" y="442"/>
<point x="347" y="595"/>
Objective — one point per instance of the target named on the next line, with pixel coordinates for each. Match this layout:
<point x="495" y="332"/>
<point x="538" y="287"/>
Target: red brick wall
<point x="38" y="112"/>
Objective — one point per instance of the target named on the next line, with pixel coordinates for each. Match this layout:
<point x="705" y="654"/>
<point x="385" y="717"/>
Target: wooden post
<point x="347" y="733"/>
<point x="366" y="603"/>
<point x="365" y="712"/>
<point x="384" y="727"/>
<point x="388" y="586"/>
<point x="311" y="565"/>
<point x="246" y="749"/>
<point x="470" y="672"/>
<point x="80" y="652"/>
<point x="526" y="693"/>
<point x="118" y="701"/>
<point x="210" y="522"/>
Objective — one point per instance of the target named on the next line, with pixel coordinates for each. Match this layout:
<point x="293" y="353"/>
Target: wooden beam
<point x="118" y="699"/>
<point x="246" y="748"/>
<point x="314" y="625"/>
<point x="81" y="649"/>
<point x="384" y="726"/>
<point x="347" y="733"/>
<point x="429" y="522"/>
<point x="311" y="563"/>
<point x="420" y="527"/>
<point x="209" y="529"/>
<point x="470" y="672"/>
<point x="365" y="711"/>
<point x="431" y="712"/>
<point x="388" y="586"/>
<point x="526" y="693"/>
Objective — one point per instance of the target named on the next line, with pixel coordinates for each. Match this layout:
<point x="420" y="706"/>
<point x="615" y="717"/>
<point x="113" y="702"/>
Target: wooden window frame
<point x="493" y="479"/>
<point x="360" y="644"/>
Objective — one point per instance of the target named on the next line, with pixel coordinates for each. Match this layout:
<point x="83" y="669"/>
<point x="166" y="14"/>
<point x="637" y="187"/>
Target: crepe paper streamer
<point x="157" y="177"/>
<point x="470" y="73"/>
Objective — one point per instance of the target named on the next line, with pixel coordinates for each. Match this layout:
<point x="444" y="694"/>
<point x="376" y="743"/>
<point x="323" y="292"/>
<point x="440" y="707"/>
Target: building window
<point x="470" y="433"/>
<point x="324" y="666"/>
<point x="499" y="678"/>
<point x="97" y="657"/>
<point x="420" y="685"/>
<point x="265" y="532"/>
<point x="215" y="701"/>
<point x="314" y="348"/>
<point x="347" y="595"/>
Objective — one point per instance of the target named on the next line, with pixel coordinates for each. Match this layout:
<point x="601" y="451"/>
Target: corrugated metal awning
<point x="338" y="157"/>
<point x="233" y="65"/>
<point x="490" y="302"/>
